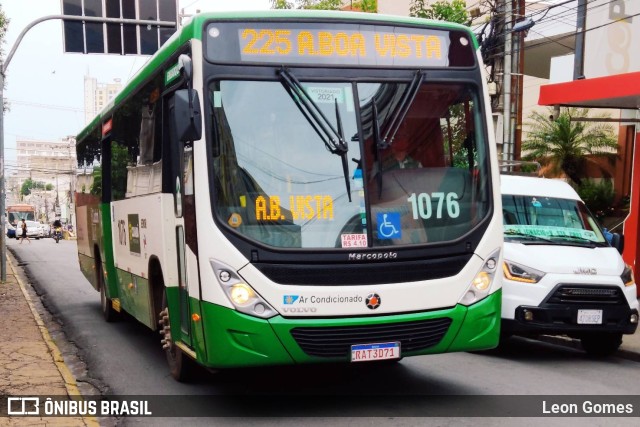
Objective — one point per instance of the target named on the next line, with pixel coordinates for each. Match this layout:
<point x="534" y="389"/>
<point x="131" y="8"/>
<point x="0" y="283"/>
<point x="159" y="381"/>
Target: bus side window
<point x="136" y="153"/>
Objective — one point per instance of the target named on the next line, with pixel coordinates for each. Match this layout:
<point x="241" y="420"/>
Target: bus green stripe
<point x="234" y="339"/>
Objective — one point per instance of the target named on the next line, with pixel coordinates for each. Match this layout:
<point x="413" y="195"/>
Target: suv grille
<point x="587" y="294"/>
<point x="337" y="341"/>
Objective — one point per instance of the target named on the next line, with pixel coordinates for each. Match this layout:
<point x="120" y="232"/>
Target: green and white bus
<point x="290" y="187"/>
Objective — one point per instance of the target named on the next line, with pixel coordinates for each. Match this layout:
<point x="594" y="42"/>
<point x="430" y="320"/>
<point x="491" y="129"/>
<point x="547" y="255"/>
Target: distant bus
<point x="293" y="187"/>
<point x="16" y="213"/>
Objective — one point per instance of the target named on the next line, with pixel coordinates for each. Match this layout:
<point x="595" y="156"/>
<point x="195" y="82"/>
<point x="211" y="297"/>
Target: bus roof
<point x="193" y="30"/>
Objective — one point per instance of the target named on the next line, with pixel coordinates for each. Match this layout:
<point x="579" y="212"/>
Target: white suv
<point x="561" y="275"/>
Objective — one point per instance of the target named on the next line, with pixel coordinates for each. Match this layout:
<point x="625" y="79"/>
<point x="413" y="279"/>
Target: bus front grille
<point x="336" y="341"/>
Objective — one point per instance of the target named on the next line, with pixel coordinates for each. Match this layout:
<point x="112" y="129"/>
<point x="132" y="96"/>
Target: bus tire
<point x="109" y="314"/>
<point x="601" y="344"/>
<point x="180" y="365"/>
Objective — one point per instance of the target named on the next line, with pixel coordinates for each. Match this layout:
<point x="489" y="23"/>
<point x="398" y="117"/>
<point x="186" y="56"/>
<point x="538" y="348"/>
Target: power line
<point x="45" y="106"/>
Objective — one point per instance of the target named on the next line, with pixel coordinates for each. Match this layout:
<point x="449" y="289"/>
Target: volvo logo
<point x="299" y="309"/>
<point x="586" y="270"/>
<point x="373" y="301"/>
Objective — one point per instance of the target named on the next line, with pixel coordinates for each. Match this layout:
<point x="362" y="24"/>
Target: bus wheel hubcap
<point x="165" y="330"/>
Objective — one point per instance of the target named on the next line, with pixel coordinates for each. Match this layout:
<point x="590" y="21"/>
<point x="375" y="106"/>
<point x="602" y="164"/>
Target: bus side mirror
<point x="617" y="241"/>
<point x="187" y="117"/>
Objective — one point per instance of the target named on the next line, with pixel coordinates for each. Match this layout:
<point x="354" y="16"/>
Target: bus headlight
<point x="242" y="296"/>
<point x="481" y="283"/>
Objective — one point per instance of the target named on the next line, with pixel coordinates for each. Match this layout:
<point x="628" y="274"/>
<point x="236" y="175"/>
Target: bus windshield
<point x="18" y="213"/>
<point x="549" y="219"/>
<point x="413" y="155"/>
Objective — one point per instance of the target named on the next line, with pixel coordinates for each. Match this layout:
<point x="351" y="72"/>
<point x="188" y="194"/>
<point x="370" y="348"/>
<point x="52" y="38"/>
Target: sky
<point x="45" y="87"/>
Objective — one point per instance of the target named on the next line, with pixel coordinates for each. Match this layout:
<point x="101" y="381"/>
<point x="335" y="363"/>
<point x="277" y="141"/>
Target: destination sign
<point x="337" y="44"/>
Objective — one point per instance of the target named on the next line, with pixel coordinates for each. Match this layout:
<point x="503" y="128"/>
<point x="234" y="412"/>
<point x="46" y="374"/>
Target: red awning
<point x="617" y="91"/>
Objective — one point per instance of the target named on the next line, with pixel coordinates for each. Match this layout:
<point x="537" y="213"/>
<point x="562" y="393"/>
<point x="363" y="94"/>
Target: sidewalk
<point x="30" y="362"/>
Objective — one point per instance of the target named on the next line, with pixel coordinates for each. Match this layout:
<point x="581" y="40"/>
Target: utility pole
<point x="519" y="74"/>
<point x="506" y="84"/>
<point x="3" y="194"/>
<point x="581" y="21"/>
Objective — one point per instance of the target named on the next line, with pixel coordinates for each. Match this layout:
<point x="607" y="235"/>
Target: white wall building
<point x="50" y="163"/>
<point x="97" y="95"/>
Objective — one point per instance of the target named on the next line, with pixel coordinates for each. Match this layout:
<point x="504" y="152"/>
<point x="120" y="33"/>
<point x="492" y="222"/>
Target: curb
<point x="69" y="380"/>
<point x="575" y="343"/>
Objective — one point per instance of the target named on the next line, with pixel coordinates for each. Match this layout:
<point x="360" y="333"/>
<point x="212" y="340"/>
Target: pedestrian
<point x="24" y="231"/>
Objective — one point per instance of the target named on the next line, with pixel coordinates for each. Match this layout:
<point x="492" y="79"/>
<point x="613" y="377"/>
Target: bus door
<point x="184" y="203"/>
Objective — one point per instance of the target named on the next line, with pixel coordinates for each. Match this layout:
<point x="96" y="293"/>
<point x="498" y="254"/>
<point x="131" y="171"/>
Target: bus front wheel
<point x="180" y="365"/>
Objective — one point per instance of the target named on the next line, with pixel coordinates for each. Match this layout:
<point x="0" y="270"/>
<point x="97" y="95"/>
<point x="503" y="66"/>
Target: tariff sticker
<point x="354" y="240"/>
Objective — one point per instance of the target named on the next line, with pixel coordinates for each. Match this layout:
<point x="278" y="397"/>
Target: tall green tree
<point x="442" y="10"/>
<point x="566" y="146"/>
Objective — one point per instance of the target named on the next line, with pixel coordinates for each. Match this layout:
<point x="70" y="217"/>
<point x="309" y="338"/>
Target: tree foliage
<point x="566" y="146"/>
<point x="4" y="24"/>
<point x="363" y="5"/>
<point x="307" y="4"/>
<point x="369" y="6"/>
<point x="281" y="4"/>
<point x="30" y="184"/>
<point x="441" y="10"/>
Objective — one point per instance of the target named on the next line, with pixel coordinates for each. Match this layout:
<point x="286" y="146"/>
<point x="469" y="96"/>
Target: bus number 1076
<point x="422" y="205"/>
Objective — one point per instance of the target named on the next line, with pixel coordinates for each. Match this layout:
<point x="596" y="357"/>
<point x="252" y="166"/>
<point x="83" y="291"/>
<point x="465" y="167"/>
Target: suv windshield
<point x="347" y="165"/>
<point x="549" y="219"/>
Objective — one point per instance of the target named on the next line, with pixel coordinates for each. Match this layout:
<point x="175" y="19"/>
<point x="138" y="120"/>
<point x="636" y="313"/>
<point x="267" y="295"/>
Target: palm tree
<point x="563" y="145"/>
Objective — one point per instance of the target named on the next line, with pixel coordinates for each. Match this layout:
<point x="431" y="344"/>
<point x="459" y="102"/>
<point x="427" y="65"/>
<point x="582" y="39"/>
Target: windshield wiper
<point x="579" y="238"/>
<point x="392" y="128"/>
<point x="332" y="138"/>
<point x="511" y="233"/>
<point x="401" y="109"/>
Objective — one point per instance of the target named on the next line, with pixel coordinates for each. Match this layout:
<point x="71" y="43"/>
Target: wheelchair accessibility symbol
<point x="389" y="225"/>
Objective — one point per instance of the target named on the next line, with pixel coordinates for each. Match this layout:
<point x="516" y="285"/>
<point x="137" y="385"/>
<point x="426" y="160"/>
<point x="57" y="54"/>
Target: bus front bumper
<point x="232" y="339"/>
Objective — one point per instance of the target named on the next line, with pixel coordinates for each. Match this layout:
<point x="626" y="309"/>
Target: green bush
<point x="597" y="196"/>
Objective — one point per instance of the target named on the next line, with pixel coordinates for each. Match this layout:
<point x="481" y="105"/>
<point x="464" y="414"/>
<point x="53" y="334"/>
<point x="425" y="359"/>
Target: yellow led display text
<point x="360" y="47"/>
<point x="304" y="207"/>
<point x="405" y="45"/>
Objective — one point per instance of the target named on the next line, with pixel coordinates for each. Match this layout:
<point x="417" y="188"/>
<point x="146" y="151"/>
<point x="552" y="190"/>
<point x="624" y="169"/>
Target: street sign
<point x="117" y="38"/>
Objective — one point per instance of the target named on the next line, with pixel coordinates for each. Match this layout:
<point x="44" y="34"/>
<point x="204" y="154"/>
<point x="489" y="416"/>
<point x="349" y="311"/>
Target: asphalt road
<point x="125" y="358"/>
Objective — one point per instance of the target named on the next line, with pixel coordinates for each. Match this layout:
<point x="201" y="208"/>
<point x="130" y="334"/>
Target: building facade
<point x="97" y="96"/>
<point x="51" y="164"/>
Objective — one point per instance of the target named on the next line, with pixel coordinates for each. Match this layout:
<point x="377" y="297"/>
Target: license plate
<point x="377" y="351"/>
<point x="590" y="317"/>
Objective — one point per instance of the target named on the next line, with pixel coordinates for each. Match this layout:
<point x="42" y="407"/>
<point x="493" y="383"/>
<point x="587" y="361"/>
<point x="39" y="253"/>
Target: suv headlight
<point x="521" y="273"/>
<point x="241" y="295"/>
<point x="481" y="284"/>
<point x="627" y="276"/>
